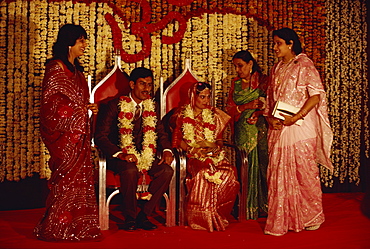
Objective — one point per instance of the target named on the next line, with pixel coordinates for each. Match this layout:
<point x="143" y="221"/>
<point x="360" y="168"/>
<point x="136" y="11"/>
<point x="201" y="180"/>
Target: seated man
<point x="129" y="134"/>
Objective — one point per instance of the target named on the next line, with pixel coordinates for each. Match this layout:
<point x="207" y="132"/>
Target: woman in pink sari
<point x="211" y="181"/>
<point x="294" y="189"/>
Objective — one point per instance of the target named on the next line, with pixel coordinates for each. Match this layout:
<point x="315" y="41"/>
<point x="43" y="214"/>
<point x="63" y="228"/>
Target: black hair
<point x="246" y="56"/>
<point x="140" y="72"/>
<point x="67" y="36"/>
<point x="201" y="86"/>
<point x="289" y="35"/>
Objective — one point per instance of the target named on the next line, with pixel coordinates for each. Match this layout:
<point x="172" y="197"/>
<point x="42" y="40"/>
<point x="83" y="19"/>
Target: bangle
<point x="237" y="108"/>
<point x="189" y="149"/>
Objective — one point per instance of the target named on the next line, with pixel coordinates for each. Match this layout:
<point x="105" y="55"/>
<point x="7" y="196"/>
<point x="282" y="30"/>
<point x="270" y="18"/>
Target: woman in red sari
<point x="71" y="210"/>
<point x="211" y="182"/>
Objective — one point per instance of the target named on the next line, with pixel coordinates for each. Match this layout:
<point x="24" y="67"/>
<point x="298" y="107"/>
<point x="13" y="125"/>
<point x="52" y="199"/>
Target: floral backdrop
<point x="160" y="35"/>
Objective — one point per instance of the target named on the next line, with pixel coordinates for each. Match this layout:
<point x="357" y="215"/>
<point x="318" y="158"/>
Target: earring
<point x="250" y="71"/>
<point x="290" y="48"/>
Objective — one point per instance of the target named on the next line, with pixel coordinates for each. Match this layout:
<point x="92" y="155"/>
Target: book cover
<point x="286" y="109"/>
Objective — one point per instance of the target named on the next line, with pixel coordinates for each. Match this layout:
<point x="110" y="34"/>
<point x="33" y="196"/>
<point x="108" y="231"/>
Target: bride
<point x="211" y="181"/>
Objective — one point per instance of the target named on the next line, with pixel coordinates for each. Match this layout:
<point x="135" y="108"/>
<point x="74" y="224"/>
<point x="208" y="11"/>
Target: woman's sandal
<point x="312" y="228"/>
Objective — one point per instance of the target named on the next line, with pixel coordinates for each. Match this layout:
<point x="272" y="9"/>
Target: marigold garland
<point x="34" y="23"/>
<point x="209" y="128"/>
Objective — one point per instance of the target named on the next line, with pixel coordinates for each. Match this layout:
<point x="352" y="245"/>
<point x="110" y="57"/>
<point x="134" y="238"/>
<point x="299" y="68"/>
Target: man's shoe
<point x="146" y="225"/>
<point x="129" y="226"/>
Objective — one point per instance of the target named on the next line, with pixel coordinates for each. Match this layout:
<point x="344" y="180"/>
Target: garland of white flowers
<point x="125" y="125"/>
<point x="207" y="54"/>
<point x="345" y="67"/>
<point x="208" y="131"/>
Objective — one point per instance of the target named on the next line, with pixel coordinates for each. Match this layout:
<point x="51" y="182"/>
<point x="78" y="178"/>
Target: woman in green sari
<point x="245" y="104"/>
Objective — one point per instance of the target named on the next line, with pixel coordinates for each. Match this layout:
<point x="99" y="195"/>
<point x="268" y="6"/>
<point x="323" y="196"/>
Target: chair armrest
<point x="241" y="155"/>
<point x="180" y="158"/>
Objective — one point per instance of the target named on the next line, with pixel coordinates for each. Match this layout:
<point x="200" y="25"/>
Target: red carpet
<point x="345" y="227"/>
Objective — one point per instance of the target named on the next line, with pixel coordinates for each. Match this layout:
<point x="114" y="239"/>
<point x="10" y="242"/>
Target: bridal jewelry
<point x="246" y="83"/>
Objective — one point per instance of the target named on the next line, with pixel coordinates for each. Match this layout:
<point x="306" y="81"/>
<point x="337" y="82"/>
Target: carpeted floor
<point x="345" y="227"/>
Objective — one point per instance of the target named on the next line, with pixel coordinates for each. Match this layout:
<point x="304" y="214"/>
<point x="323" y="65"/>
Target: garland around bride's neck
<point x="209" y="128"/>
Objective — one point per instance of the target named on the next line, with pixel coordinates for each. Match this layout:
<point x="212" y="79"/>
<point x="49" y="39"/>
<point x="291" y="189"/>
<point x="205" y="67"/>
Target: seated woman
<point x="211" y="181"/>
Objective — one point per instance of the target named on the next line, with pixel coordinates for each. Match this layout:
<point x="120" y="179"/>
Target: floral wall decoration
<point x="160" y="35"/>
<point x="347" y="85"/>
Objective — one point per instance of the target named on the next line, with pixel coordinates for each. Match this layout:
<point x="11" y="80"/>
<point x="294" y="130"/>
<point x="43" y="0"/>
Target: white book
<point x="286" y="109"/>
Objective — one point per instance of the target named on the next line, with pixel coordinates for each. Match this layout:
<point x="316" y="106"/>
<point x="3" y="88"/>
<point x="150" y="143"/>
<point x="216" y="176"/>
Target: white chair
<point x="116" y="84"/>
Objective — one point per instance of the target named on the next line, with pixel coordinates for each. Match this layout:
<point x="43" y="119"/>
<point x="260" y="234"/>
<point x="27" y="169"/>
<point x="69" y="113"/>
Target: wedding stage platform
<point x="345" y="227"/>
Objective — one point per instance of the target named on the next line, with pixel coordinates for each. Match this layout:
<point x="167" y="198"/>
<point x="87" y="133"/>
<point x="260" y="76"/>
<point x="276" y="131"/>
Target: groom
<point x="126" y="132"/>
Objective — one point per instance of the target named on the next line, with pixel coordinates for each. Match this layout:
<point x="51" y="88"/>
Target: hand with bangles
<point x="289" y="120"/>
<point x="205" y="149"/>
<point x="254" y="104"/>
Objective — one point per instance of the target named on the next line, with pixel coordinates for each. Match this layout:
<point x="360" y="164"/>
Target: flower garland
<point x="144" y="28"/>
<point x="10" y="96"/>
<point x="215" y="178"/>
<point x="235" y="25"/>
<point x="3" y="86"/>
<point x="188" y="126"/>
<point x="209" y="128"/>
<point x="352" y="132"/>
<point x="125" y="125"/>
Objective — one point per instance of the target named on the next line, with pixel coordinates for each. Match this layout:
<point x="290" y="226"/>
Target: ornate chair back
<point x="113" y="85"/>
<point x="175" y="95"/>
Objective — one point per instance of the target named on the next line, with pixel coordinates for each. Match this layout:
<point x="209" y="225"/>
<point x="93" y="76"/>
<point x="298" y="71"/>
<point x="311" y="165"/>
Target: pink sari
<point x="294" y="189"/>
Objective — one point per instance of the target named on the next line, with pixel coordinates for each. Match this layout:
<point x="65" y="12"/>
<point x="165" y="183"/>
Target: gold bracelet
<point x="237" y="108"/>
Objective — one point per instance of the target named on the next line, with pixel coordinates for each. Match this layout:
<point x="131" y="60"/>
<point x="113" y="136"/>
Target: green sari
<point x="252" y="137"/>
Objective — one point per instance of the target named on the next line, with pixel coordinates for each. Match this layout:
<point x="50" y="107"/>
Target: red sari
<point x="71" y="209"/>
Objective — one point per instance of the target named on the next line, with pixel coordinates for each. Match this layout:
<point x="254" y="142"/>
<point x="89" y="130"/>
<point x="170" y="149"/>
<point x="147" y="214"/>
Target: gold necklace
<point x="246" y="83"/>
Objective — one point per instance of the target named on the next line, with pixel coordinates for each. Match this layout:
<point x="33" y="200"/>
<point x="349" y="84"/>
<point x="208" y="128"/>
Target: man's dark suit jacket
<point x="107" y="136"/>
